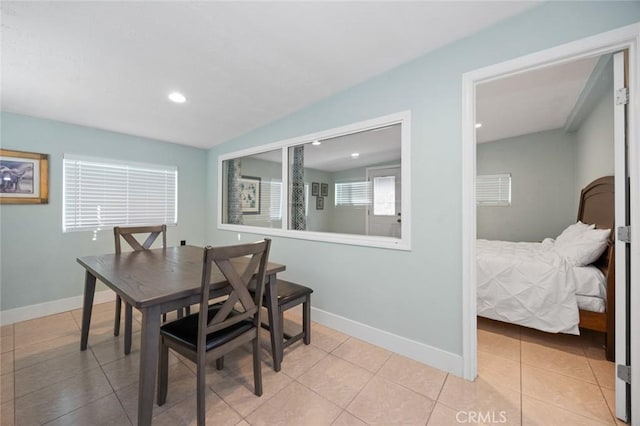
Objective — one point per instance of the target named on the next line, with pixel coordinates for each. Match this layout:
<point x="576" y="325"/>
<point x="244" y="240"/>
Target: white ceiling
<point x="530" y="102"/>
<point x="111" y="65"/>
<point x="377" y="146"/>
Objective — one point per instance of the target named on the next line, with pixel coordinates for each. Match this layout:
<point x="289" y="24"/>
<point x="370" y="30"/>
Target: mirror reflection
<point x="253" y="194"/>
<point x="348" y="184"/>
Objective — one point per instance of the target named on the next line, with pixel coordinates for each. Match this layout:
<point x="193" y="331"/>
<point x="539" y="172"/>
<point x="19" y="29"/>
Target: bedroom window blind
<point x="99" y="194"/>
<point x="493" y="190"/>
<point x="353" y="194"/>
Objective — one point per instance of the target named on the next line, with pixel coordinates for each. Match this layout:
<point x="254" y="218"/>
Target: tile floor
<point x="525" y="378"/>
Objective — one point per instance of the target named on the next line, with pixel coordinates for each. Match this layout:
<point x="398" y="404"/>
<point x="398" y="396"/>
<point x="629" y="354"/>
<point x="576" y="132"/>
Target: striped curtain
<point x="298" y="219"/>
<point x="234" y="205"/>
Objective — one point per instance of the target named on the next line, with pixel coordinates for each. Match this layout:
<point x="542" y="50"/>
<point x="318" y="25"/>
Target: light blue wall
<point x="38" y="261"/>
<point x="414" y="294"/>
<point x="542" y="186"/>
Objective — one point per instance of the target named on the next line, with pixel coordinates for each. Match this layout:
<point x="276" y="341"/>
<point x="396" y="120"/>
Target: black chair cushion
<point x="185" y="330"/>
<point x="287" y="291"/>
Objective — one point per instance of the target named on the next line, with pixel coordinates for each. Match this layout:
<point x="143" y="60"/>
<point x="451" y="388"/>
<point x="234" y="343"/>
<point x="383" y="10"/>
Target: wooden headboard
<point x="597" y="206"/>
<point x="597" y="203"/>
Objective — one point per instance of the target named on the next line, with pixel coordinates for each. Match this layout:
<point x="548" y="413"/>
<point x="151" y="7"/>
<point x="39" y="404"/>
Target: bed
<point x="557" y="286"/>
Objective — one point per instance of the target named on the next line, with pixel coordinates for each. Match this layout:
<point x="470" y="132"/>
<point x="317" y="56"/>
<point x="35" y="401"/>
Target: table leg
<point x="275" y="325"/>
<point x="150" y="339"/>
<point x="87" y="307"/>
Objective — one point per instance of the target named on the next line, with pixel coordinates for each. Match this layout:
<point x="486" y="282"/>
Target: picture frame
<point x="324" y="189"/>
<point x="24" y="177"/>
<point x="250" y="194"/>
<point x="315" y="189"/>
<point x="320" y="203"/>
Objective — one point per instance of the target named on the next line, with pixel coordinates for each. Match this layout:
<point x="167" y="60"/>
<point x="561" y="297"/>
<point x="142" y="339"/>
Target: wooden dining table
<point x="158" y="281"/>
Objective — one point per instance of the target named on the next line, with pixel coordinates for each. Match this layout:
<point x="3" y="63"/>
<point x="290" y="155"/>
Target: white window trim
<point x="403" y="243"/>
<point x="112" y="162"/>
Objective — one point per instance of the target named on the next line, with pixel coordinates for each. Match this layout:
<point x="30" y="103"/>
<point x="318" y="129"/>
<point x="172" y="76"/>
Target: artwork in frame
<point x="324" y="189"/>
<point x="250" y="194"/>
<point x="320" y="203"/>
<point x="24" y="177"/>
<point x="315" y="189"/>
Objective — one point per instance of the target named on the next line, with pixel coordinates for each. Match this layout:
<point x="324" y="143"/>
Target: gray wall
<point x="548" y="171"/>
<point x="542" y="186"/>
<point x="594" y="146"/>
<point x="414" y="294"/>
<point x="38" y="261"/>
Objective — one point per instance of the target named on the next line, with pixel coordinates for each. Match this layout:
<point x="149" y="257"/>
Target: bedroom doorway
<point x="595" y="49"/>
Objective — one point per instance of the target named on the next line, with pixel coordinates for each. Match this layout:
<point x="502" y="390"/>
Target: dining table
<point x="162" y="280"/>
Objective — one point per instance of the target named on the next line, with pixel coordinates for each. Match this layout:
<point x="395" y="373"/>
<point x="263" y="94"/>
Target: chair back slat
<point x="240" y="264"/>
<point x="238" y="282"/>
<point x="225" y="310"/>
<point x="127" y="233"/>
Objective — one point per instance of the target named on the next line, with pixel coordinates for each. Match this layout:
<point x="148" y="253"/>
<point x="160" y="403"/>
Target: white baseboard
<point x="49" y="308"/>
<point x="421" y="352"/>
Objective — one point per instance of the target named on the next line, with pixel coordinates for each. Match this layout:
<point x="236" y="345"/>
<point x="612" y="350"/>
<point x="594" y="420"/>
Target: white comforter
<point x="527" y="284"/>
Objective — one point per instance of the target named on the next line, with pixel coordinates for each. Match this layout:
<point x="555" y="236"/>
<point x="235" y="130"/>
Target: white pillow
<point x="573" y="231"/>
<point x="585" y="248"/>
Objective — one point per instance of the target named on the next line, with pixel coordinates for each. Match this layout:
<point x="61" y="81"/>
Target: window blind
<point x="384" y="196"/>
<point x="353" y="194"/>
<point x="100" y="194"/>
<point x="493" y="190"/>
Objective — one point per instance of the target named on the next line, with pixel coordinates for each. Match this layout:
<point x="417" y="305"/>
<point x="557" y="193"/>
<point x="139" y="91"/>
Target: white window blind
<point x="100" y="194"/>
<point x="384" y="196"/>
<point x="493" y="190"/>
<point x="353" y="194"/>
<point x="274" y="198"/>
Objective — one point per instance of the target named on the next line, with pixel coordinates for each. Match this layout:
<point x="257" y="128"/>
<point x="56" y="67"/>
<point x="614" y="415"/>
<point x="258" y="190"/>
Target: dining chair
<point x="127" y="233"/>
<point x="227" y="325"/>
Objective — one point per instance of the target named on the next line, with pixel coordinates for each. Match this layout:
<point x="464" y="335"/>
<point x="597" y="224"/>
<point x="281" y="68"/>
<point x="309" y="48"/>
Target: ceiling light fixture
<point x="355" y="155"/>
<point x="177" y="97"/>
<point x="316" y="143"/>
<point x="478" y="125"/>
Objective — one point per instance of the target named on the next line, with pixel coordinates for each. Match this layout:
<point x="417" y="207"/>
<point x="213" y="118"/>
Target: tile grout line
<point x="521" y="390"/>
<point x="90" y="347"/>
<point x="363" y="386"/>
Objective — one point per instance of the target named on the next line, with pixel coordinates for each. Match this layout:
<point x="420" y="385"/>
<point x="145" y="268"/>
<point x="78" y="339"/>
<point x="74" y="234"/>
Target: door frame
<point x="627" y="37"/>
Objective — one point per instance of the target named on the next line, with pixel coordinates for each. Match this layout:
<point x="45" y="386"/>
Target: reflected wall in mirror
<point x="252" y="190"/>
<point x="362" y="173"/>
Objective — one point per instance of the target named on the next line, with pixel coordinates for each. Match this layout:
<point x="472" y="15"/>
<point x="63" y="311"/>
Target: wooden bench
<point x="291" y="295"/>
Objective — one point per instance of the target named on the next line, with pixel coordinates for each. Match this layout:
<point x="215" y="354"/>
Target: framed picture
<point x="250" y="194"/>
<point x="320" y="203"/>
<point x="315" y="189"/>
<point x="24" y="177"/>
<point x="324" y="189"/>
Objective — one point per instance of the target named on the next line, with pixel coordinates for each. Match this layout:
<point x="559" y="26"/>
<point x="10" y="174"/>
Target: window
<point x="353" y="194"/>
<point x="337" y="161"/>
<point x="493" y="190"/>
<point x="100" y="194"/>
<point x="275" y="200"/>
<point x="384" y="195"/>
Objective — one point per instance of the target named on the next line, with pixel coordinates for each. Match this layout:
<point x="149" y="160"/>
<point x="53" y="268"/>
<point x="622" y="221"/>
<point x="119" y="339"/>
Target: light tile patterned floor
<point x="525" y="377"/>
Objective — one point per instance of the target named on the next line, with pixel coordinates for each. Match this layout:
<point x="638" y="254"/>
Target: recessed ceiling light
<point x="177" y="97"/>
<point x="478" y="125"/>
<point x="355" y="155"/>
<point x="316" y="143"/>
